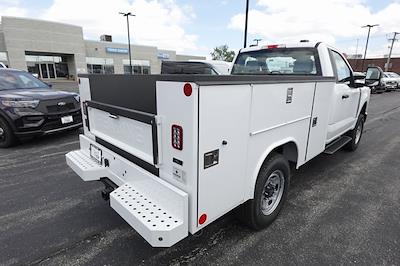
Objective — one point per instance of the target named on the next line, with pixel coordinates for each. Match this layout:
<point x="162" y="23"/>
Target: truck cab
<point x="310" y="59"/>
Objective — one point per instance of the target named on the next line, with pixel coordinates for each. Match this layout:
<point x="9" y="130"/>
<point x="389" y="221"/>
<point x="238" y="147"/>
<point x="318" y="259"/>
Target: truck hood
<point x="36" y="94"/>
<point x="390" y="79"/>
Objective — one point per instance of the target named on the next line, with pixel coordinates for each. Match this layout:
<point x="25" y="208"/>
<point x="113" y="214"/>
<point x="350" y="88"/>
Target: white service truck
<point x="176" y="152"/>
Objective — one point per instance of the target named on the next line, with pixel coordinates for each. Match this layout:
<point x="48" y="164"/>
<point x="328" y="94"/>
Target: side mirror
<point x="373" y="76"/>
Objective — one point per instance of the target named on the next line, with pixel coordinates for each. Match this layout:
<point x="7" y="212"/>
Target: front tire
<point x="7" y="137"/>
<point x="356" y="134"/>
<point x="270" y="193"/>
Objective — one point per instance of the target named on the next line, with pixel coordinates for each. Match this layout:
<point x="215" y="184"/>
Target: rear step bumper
<point x="157" y="210"/>
<point x="159" y="222"/>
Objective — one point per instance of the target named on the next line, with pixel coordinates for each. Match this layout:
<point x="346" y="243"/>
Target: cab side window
<point x="343" y="71"/>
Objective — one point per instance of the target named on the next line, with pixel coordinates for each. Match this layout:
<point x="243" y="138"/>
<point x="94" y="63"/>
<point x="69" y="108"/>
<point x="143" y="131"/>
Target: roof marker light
<point x="274" y="46"/>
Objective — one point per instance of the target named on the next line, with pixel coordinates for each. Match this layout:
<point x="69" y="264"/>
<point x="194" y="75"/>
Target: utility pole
<point x="245" y="24"/>
<point x="366" y="44"/>
<point x="391" y="48"/>
<point x="129" y="38"/>
<point x="356" y="56"/>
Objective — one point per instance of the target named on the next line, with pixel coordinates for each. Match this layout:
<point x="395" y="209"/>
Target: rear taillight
<point x="177" y="137"/>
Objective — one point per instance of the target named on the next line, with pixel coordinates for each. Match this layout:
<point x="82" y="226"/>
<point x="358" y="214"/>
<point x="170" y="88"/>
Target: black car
<point x="29" y="107"/>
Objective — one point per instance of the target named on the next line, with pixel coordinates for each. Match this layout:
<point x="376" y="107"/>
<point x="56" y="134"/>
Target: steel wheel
<point x="272" y="193"/>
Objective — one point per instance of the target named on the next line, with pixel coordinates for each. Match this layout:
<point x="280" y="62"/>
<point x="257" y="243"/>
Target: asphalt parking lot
<point x="342" y="209"/>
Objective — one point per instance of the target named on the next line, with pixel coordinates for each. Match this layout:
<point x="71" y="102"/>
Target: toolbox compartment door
<point x="131" y="131"/>
<point x="223" y="137"/>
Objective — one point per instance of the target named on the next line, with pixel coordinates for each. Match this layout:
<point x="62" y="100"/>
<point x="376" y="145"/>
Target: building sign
<point x="163" y="56"/>
<point x="114" y="50"/>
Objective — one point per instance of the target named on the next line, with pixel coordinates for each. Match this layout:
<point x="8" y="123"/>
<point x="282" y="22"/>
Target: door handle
<point x="112" y="116"/>
<point x="345" y="96"/>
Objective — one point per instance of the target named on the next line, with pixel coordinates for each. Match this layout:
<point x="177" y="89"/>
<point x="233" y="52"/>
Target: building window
<point x="140" y="67"/>
<point x="47" y="66"/>
<point x="4" y="58"/>
<point x="97" y="65"/>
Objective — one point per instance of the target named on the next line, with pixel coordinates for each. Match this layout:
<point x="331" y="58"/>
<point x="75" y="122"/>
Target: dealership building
<point x="58" y="51"/>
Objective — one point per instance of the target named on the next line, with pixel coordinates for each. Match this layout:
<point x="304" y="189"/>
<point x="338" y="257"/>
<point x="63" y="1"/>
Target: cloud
<point x="158" y="22"/>
<point x="12" y="8"/>
<point x="328" y="20"/>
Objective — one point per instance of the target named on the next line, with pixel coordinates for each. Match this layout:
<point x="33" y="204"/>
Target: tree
<point x="223" y="53"/>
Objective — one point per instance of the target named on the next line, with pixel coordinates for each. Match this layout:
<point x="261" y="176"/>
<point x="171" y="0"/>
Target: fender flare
<point x="264" y="156"/>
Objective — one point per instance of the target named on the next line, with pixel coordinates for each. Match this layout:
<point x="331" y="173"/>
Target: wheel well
<point x="289" y="151"/>
<point x="6" y="119"/>
<point x="364" y="109"/>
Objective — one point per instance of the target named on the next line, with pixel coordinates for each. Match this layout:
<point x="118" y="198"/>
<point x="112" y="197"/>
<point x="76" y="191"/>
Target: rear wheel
<point x="356" y="134"/>
<point x="7" y="137"/>
<point x="270" y="193"/>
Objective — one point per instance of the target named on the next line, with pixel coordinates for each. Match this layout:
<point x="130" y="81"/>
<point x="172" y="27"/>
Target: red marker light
<point x="203" y="218"/>
<point x="177" y="137"/>
<point x="187" y="89"/>
<point x="272" y="46"/>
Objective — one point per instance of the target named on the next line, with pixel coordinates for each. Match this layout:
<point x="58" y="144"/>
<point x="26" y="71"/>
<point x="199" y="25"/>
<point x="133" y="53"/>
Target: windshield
<point x="193" y="68"/>
<point x="11" y="80"/>
<point x="283" y="61"/>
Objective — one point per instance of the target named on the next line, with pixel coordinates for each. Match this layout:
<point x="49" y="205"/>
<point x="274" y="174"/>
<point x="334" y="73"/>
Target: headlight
<point x="20" y="103"/>
<point x="77" y="98"/>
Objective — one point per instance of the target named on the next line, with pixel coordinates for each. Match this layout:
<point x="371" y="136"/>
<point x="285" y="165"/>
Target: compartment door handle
<point x="113" y="116"/>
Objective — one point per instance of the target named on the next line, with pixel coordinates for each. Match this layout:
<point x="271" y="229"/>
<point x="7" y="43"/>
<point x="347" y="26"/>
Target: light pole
<point x="245" y="25"/>
<point x="366" y="44"/>
<point x="129" y="38"/>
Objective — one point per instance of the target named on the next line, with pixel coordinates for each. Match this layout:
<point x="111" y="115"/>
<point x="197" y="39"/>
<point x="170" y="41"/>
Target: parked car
<point x="2" y="65"/>
<point x="394" y="76"/>
<point x="196" y="67"/>
<point x="29" y="107"/>
<point x="389" y="82"/>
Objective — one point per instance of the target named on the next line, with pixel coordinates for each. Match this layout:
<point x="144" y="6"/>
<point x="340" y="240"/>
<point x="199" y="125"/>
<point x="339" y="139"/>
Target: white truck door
<point x="223" y="135"/>
<point x="345" y="99"/>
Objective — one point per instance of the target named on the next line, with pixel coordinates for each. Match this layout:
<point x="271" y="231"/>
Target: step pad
<point x="147" y="211"/>
<point x="337" y="145"/>
<point x="87" y="168"/>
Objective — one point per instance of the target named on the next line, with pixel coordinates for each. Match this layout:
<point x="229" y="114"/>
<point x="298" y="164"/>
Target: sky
<point x="196" y="27"/>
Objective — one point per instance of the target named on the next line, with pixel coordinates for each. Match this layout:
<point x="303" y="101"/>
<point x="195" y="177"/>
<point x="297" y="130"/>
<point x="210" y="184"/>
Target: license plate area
<point x="67" y="119"/>
<point x="96" y="154"/>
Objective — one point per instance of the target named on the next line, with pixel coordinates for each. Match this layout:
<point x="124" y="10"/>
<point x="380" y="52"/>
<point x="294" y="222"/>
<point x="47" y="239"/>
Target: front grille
<point x="58" y="106"/>
<point x="58" y="109"/>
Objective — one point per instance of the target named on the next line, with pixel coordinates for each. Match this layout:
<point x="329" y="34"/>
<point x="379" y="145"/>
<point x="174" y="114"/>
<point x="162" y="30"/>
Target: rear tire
<point x="7" y="137"/>
<point x="356" y="134"/>
<point x="270" y="193"/>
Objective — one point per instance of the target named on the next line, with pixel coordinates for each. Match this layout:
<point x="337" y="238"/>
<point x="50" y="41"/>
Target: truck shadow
<point x="226" y="232"/>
